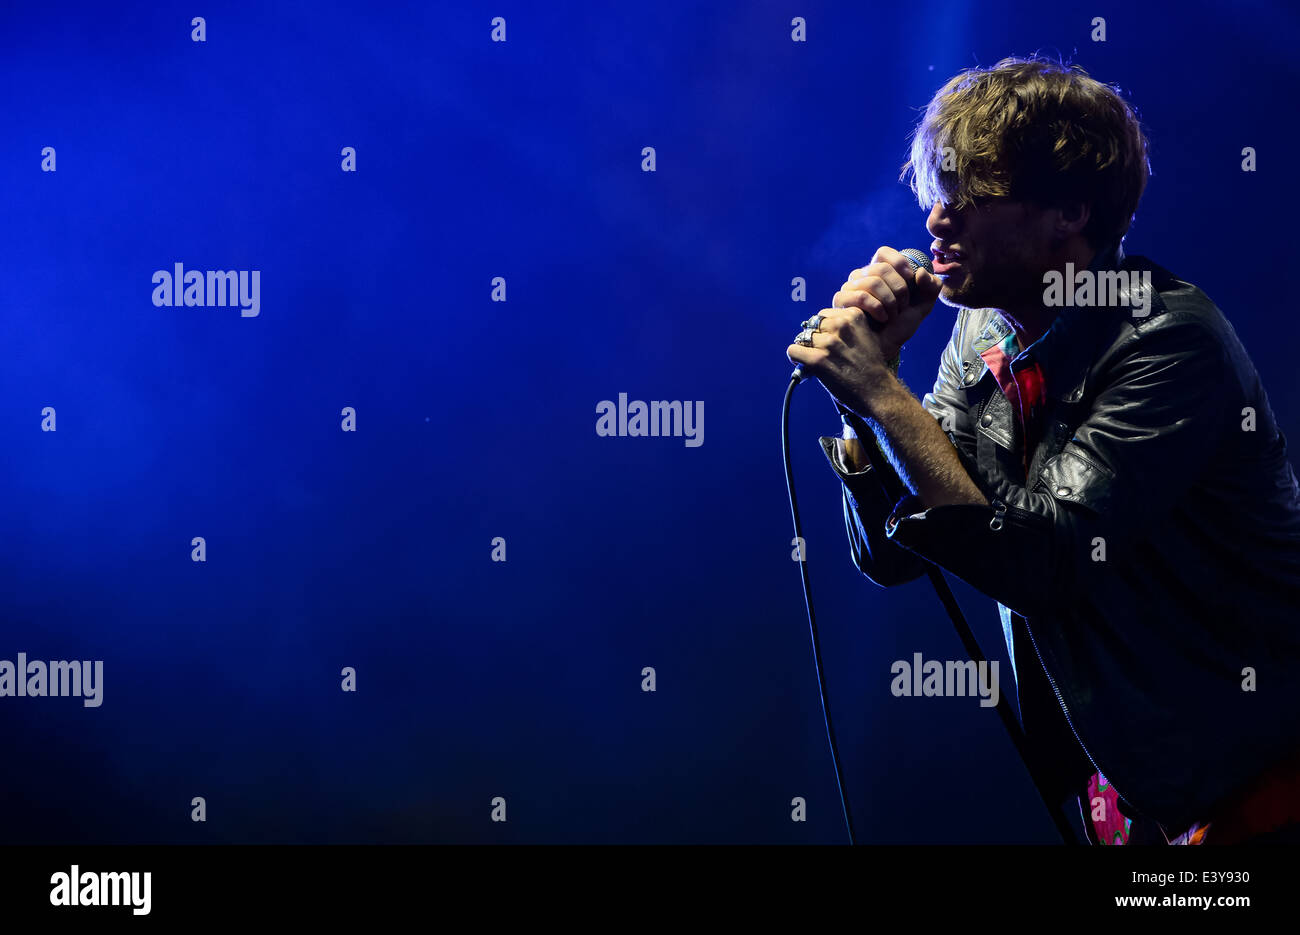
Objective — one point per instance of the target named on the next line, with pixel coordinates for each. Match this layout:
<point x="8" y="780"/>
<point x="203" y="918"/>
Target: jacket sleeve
<point x="867" y="504"/>
<point x="1157" y="418"/>
<point x="866" y="507"/>
<point x="947" y="401"/>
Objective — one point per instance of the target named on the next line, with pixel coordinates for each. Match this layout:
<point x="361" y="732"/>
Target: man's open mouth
<point x="945" y="261"/>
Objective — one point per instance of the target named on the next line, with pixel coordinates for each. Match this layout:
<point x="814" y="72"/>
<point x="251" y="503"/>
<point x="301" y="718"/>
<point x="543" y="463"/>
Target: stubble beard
<point x="994" y="289"/>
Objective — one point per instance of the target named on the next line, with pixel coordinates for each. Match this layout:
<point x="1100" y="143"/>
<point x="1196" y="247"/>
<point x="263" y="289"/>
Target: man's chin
<point x="959" y="297"/>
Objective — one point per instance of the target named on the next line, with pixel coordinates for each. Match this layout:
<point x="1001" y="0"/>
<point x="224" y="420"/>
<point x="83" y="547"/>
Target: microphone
<point x="917" y="259"/>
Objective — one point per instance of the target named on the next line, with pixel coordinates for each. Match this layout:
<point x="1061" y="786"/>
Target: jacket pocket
<point x="1072" y="478"/>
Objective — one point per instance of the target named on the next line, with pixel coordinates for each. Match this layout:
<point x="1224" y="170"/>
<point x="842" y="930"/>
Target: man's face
<point x="991" y="254"/>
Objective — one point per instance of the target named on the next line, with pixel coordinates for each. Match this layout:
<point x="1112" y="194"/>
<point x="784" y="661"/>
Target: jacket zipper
<point x="1000" y="509"/>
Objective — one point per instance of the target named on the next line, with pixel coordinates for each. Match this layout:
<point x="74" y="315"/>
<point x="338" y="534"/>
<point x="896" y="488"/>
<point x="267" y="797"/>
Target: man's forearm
<point x="916" y="446"/>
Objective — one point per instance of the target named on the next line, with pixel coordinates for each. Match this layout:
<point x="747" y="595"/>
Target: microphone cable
<point x="808" y="602"/>
<point x="894" y="487"/>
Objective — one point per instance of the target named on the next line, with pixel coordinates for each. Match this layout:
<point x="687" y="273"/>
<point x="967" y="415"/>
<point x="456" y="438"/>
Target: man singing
<point x="1097" y="454"/>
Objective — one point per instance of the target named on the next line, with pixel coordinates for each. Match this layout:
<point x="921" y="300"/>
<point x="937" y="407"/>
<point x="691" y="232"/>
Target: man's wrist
<point x="877" y="380"/>
<point x="882" y="374"/>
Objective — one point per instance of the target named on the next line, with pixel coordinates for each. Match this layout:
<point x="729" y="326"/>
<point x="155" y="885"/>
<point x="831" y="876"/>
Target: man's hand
<point x="882" y="291"/>
<point x="871" y="318"/>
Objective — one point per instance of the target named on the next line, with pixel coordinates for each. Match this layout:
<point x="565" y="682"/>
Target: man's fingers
<point x="903" y="266"/>
<point x="928" y="284"/>
<point x="811" y="357"/>
<point x="892" y="278"/>
<point x="882" y="294"/>
<point x="887" y="255"/>
<point x="878" y="303"/>
<point x="833" y="321"/>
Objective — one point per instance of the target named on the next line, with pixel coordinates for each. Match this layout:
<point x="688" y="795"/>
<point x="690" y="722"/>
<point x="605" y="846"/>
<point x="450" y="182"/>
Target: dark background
<point x="476" y="419"/>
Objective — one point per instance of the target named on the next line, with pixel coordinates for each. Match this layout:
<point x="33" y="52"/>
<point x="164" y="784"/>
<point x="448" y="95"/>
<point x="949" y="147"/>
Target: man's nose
<point x="942" y="222"/>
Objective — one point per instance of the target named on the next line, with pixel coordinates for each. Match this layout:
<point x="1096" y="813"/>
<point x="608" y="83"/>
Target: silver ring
<point x="813" y="324"/>
<point x="804" y="338"/>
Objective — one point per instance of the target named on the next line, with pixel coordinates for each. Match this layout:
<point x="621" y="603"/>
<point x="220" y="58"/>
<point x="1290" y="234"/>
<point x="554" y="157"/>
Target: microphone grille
<point x="918" y="260"/>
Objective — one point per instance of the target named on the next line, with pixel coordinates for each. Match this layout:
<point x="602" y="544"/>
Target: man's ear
<point x="1072" y="218"/>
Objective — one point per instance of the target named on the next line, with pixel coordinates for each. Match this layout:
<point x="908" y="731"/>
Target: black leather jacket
<point x="1147" y="570"/>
